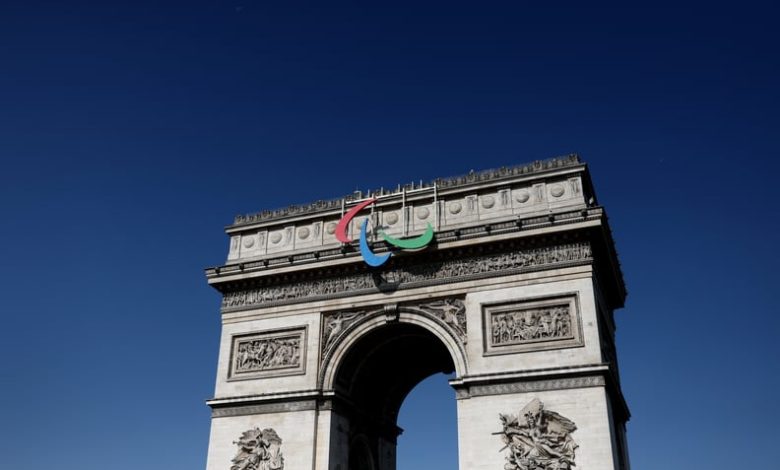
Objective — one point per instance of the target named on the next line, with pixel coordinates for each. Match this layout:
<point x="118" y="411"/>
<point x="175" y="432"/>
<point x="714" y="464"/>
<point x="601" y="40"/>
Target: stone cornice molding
<point x="481" y="233"/>
<point x="553" y="378"/>
<point x="263" y="408"/>
<point x="496" y="196"/>
<point x="264" y="397"/>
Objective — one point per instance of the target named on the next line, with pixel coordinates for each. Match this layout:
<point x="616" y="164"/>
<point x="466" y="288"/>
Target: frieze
<point x="532" y="325"/>
<point x="268" y="353"/>
<point x="411" y="276"/>
<point x="263" y="408"/>
<point x="524" y="326"/>
<point x="530" y="386"/>
<point x="538" y="439"/>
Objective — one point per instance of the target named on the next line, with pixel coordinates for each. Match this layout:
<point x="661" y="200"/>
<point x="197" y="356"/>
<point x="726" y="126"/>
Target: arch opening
<point x="372" y="381"/>
<point x="429" y="419"/>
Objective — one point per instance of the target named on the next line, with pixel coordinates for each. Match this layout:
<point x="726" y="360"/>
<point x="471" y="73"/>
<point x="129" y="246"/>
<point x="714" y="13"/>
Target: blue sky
<point x="132" y="132"/>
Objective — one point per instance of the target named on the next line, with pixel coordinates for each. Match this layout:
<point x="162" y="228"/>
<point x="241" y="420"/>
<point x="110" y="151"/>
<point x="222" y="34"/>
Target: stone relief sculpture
<point x="450" y="269"/>
<point x="538" y="439"/>
<point x="450" y="311"/>
<point x="258" y="450"/>
<point x="532" y="325"/>
<point x="267" y="353"/>
<point x="336" y="324"/>
<point x="522" y="326"/>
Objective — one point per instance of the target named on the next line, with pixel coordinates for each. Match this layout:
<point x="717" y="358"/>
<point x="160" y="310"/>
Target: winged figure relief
<point x="336" y="324"/>
<point x="258" y="450"/>
<point x="538" y="439"/>
<point x="451" y="312"/>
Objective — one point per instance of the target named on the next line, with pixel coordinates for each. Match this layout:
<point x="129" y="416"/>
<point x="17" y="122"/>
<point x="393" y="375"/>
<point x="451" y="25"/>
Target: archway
<point x="373" y="378"/>
<point x="516" y="293"/>
<point x="429" y="418"/>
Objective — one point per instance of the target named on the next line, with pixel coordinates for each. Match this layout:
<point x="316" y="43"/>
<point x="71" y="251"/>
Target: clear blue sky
<point x="132" y="132"/>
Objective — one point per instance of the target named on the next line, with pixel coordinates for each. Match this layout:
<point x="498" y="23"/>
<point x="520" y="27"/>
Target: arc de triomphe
<point x="333" y="311"/>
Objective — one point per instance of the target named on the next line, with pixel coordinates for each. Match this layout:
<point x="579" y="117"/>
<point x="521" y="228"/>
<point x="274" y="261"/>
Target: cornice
<point x="348" y="253"/>
<point x="553" y="378"/>
<point x="434" y="268"/>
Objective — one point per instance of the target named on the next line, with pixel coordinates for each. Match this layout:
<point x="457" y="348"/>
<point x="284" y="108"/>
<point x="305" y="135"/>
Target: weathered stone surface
<point x="269" y="353"/>
<point x="538" y="439"/>
<point x="515" y="295"/>
<point x="423" y="274"/>
<point x="259" y="450"/>
<point x="532" y="325"/>
<point x="452" y="182"/>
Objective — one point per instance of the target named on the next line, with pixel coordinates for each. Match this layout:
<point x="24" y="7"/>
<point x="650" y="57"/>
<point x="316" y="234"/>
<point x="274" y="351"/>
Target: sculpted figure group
<point x="421" y="273"/>
<point x="267" y="353"/>
<point x="451" y="311"/>
<point x="528" y="325"/>
<point x="258" y="450"/>
<point x="538" y="439"/>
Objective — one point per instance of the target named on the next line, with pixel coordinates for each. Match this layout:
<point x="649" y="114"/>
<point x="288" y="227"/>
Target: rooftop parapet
<point x="539" y="188"/>
<point x="473" y="177"/>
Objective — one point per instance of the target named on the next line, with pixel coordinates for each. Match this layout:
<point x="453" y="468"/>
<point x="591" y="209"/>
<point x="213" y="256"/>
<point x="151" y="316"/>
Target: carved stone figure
<point x="451" y="311"/>
<point x="538" y="439"/>
<point x="530" y="325"/>
<point x="267" y="353"/>
<point x="343" y="285"/>
<point x="258" y="450"/>
<point x="335" y="325"/>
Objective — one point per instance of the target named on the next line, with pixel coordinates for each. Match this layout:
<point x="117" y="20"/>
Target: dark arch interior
<point x="377" y="374"/>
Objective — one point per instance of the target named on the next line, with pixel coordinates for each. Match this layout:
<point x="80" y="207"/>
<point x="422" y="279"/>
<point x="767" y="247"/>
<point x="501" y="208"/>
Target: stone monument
<point x="333" y="311"/>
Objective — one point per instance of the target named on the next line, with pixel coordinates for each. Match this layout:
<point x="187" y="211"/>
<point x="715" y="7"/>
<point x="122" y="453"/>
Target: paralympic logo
<point x="369" y="256"/>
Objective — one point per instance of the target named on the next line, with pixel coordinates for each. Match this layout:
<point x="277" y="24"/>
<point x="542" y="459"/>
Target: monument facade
<point x="332" y="312"/>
